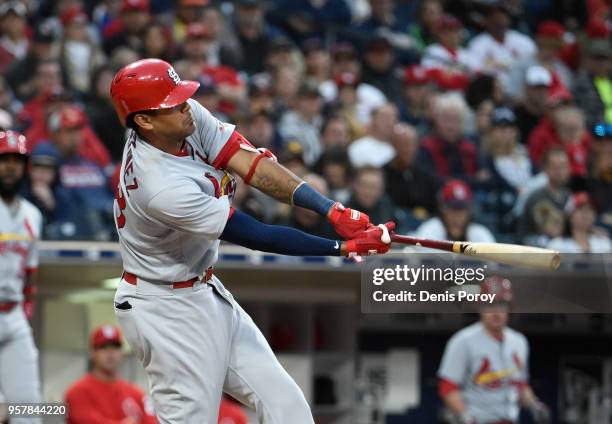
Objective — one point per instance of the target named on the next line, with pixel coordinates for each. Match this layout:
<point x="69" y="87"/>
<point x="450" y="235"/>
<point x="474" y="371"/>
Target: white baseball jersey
<point x="170" y="210"/>
<point x="20" y="228"/>
<point x="489" y="372"/>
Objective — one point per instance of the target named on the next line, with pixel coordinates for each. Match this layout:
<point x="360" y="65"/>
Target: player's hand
<point x="372" y="241"/>
<point x="348" y="222"/>
<point x="539" y="412"/>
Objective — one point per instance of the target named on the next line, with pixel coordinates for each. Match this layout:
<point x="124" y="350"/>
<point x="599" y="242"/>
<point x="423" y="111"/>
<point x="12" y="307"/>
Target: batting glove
<point x="372" y="241"/>
<point x="348" y="222"/>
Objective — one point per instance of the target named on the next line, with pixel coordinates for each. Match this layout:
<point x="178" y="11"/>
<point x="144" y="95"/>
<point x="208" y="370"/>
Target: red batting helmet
<point x="500" y="287"/>
<point x="148" y="84"/>
<point x="12" y="142"/>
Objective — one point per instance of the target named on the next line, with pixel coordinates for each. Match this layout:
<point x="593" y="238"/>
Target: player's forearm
<point x="275" y="180"/>
<point x="455" y="403"/>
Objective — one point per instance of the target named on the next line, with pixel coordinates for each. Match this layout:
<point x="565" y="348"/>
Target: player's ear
<point x="143" y="121"/>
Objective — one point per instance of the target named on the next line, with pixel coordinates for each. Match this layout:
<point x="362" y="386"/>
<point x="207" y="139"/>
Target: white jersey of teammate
<point x="20" y="228"/>
<point x="489" y="372"/>
<point x="171" y="210"/>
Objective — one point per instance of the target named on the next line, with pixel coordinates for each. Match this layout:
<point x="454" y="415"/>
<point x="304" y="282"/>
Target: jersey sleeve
<point x="185" y="208"/>
<point x="34" y="225"/>
<point x="212" y="136"/>
<point x="455" y="363"/>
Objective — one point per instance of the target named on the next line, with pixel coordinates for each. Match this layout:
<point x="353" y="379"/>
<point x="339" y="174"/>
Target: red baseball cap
<point x="550" y="29"/>
<point x="455" y="194"/>
<point x="448" y="23"/>
<point x="577" y="200"/>
<point x="347" y="79"/>
<point x="68" y="117"/>
<point x="131" y="5"/>
<point x="597" y="28"/>
<point x="104" y="335"/>
<point x="198" y="30"/>
<point x="416" y="75"/>
<point x="73" y="14"/>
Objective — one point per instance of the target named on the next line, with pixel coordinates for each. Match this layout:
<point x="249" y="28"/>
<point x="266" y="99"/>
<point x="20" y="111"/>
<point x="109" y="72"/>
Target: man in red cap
<point x="101" y="396"/>
<point x="172" y="208"/>
<point x="455" y="220"/>
<point x="484" y="375"/>
<point x="128" y="28"/>
<point x="20" y="229"/>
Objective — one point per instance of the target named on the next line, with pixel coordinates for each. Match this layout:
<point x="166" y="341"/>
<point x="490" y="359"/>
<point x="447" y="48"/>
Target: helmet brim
<point x="180" y="94"/>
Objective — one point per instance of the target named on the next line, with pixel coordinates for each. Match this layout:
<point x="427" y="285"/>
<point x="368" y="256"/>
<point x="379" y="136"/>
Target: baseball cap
<point x="503" y="116"/>
<point x="577" y="200"/>
<point x="198" y="30"/>
<point x="313" y="45"/>
<point x="378" y="43"/>
<point x="448" y="23"/>
<point x="134" y="5"/>
<point x="66" y="118"/>
<point x="455" y="194"/>
<point x="45" y="154"/>
<point x="416" y="75"/>
<point x="43" y="34"/>
<point x="343" y="50"/>
<point x="558" y="97"/>
<point x="537" y="75"/>
<point x="280" y="43"/>
<point x="105" y="335"/>
<point x="550" y="29"/>
<point x="260" y="84"/>
<point x="597" y="28"/>
<point x="72" y="15"/>
<point x="347" y="79"/>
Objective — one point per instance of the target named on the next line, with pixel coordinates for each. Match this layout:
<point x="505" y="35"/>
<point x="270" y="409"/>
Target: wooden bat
<point x="509" y="254"/>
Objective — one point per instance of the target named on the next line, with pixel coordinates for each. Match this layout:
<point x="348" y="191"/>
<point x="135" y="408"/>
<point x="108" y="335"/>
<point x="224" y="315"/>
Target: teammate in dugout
<point x="483" y="377"/>
<point x="20" y="228"/>
<point x="172" y="207"/>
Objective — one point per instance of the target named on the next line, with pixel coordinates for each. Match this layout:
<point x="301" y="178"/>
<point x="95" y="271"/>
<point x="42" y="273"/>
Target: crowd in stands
<point x="466" y="119"/>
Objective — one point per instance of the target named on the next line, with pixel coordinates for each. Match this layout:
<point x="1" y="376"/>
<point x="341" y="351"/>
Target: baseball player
<point x="483" y="378"/>
<point x="172" y="207"/>
<point x="20" y="228"/>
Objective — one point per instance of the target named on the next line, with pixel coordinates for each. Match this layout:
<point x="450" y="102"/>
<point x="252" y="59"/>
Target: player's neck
<point x="497" y="334"/>
<point x="107" y="377"/>
<point x="162" y="143"/>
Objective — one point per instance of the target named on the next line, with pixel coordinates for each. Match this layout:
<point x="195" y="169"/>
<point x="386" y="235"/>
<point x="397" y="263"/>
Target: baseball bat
<point x="509" y="254"/>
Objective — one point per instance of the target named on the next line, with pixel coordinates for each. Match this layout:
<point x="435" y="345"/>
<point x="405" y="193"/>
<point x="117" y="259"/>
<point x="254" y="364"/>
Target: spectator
<point x="508" y="170"/>
<point x="207" y="95"/>
<point x="13" y="39"/>
<point x="8" y="103"/>
<point x="409" y="184"/>
<point x="303" y="123"/>
<point x="445" y="150"/>
<point x="21" y="74"/>
<point x="455" y="217"/>
<point x="309" y="221"/>
<point x="282" y="52"/>
<point x="129" y="28"/>
<point x="593" y="81"/>
<point x="185" y="13"/>
<point x="599" y="183"/>
<point x="101" y="113"/>
<point x="549" y="39"/>
<point x="47" y="85"/>
<point x="417" y="98"/>
<point x="375" y="148"/>
<point x="317" y="60"/>
<point x="379" y="68"/>
<point x="581" y="238"/>
<point x="305" y="19"/>
<point x="335" y="132"/>
<point x="499" y="48"/>
<point x="347" y="104"/>
<point x="423" y="31"/>
<point x="157" y="42"/>
<point x="260" y="130"/>
<point x="369" y="197"/>
<point x="261" y="96"/>
<point x="566" y="129"/>
<point x="225" y="45"/>
<point x="254" y="35"/>
<point x="530" y="109"/>
<point x="335" y="168"/>
<point x="287" y="82"/>
<point x="84" y="181"/>
<point x="542" y="217"/>
<point x="453" y="63"/>
<point x="102" y="396"/>
<point x="198" y="49"/>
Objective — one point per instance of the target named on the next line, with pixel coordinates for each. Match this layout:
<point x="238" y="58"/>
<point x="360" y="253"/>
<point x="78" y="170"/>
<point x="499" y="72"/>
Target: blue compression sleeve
<point x="244" y="230"/>
<point x="307" y="197"/>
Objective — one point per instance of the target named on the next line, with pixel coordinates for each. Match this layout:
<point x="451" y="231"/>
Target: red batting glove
<point x="372" y="241"/>
<point x="348" y="222"/>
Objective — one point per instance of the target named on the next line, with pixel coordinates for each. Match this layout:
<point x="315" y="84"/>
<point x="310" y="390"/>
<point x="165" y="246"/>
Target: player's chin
<point x="189" y="127"/>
